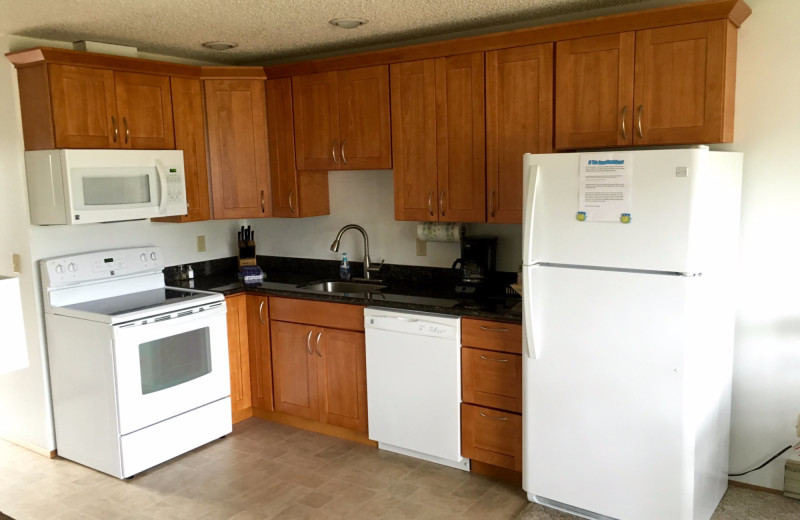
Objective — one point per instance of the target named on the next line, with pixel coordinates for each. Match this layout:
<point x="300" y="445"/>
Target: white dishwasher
<point x="414" y="384"/>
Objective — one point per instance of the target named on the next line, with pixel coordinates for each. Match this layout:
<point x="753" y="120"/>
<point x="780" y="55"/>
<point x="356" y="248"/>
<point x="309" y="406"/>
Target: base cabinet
<point x="239" y="357"/>
<point x="260" y="351"/>
<point x="491" y="436"/>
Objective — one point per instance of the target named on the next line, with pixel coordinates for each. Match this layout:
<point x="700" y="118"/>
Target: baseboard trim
<point x="509" y="475"/>
<point x="241" y="415"/>
<point x="314" y="426"/>
<point x="745" y="485"/>
<point x="44" y="452"/>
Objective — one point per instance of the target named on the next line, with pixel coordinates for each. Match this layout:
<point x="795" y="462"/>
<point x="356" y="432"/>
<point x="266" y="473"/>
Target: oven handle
<point x="162" y="177"/>
<point x="208" y="311"/>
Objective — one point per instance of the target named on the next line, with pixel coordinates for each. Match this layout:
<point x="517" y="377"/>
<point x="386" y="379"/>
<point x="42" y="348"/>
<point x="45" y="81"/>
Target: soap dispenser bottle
<point x="344" y="268"/>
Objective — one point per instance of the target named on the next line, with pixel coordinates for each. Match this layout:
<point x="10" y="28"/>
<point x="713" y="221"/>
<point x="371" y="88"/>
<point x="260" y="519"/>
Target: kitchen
<point x="765" y="336"/>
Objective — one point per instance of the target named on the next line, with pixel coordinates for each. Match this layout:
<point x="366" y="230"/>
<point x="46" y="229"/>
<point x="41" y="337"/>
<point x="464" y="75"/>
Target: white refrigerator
<point x="628" y="330"/>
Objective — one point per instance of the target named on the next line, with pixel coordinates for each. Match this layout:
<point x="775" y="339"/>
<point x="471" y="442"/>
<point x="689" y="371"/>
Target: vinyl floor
<point x="262" y="470"/>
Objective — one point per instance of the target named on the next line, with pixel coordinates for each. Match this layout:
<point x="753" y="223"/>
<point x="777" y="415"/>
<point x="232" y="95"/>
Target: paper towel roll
<point x="440" y="231"/>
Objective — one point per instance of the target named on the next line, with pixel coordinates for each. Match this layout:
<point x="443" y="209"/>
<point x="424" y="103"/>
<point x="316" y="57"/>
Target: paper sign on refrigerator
<point x="605" y="187"/>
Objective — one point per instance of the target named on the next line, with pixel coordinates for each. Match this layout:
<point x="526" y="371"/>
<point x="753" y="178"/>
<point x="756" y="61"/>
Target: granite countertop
<point x="408" y="287"/>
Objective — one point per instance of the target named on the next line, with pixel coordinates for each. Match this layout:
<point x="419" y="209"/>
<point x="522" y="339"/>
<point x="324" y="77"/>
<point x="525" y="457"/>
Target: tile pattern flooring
<point x="262" y="470"/>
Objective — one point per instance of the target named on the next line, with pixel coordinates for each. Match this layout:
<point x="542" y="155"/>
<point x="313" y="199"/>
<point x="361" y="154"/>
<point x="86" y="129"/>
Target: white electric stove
<point x="139" y="371"/>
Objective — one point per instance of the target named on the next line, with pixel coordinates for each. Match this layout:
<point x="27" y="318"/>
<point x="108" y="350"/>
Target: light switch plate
<point x="201" y="243"/>
<point x="16" y="263"/>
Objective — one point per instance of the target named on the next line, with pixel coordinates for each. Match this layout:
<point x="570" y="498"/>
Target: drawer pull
<point x="493" y="359"/>
<point x="493" y="330"/>
<point x="494" y="418"/>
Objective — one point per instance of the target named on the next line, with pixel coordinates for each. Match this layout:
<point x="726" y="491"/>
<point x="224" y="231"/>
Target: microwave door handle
<point x="162" y="177"/>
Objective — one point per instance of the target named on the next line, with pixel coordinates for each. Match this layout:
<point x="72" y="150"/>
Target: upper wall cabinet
<point x="438" y="129"/>
<point x="294" y="193"/>
<point x="669" y="85"/>
<point x="66" y="106"/>
<point x="341" y="120"/>
<point x="237" y="145"/>
<point x="519" y="120"/>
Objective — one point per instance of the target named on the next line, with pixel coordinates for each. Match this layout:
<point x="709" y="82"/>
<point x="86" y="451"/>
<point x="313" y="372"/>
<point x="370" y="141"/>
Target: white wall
<point x="766" y="382"/>
<point x="366" y="198"/>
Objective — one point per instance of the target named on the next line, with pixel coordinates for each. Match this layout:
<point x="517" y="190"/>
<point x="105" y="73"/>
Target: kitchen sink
<point x="338" y="286"/>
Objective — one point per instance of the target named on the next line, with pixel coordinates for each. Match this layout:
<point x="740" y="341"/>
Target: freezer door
<point x="667" y="213"/>
<point x="605" y="426"/>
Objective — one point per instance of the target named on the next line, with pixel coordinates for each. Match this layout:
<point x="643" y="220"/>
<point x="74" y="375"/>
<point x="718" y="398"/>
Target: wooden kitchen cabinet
<point x="239" y="357"/>
<point x="438" y="110"/>
<point x="237" y="141"/>
<point x="319" y="371"/>
<point x="260" y="351"/>
<point x="341" y="120"/>
<point x="190" y="137"/>
<point x="668" y="85"/>
<point x="491" y="394"/>
<point x="67" y="106"/>
<point x="294" y="193"/>
<point x="519" y="120"/>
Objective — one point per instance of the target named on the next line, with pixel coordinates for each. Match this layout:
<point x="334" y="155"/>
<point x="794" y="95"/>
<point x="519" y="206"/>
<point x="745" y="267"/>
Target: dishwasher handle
<point x="418" y="326"/>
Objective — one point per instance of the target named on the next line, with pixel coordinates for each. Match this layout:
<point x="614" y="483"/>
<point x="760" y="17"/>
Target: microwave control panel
<point x="175" y="186"/>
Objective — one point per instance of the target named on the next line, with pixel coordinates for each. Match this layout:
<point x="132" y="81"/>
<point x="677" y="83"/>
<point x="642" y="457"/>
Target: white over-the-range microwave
<point x="85" y="186"/>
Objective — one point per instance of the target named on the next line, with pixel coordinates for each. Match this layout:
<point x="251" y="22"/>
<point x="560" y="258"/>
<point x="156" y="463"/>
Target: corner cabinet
<point x="341" y="120"/>
<point x="260" y="351"/>
<point x="319" y="361"/>
<point x="294" y="193"/>
<point x="668" y="85"/>
<point x="438" y="132"/>
<point x="237" y="143"/>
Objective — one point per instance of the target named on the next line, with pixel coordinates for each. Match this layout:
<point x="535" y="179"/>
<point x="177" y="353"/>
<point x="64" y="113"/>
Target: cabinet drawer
<point x="324" y="314"/>
<point x="491" y="379"/>
<point x="491" y="335"/>
<point x="492" y="437"/>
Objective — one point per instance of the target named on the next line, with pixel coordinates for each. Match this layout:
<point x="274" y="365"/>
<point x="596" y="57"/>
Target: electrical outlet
<point x="798" y="425"/>
<point x="422" y="248"/>
<point x="201" y="243"/>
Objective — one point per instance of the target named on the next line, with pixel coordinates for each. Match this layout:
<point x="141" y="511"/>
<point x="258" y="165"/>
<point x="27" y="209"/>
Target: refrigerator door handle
<point x="529" y="208"/>
<point x="529" y="311"/>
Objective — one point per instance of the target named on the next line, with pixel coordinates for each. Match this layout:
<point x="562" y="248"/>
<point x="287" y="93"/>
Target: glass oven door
<point x="166" y="366"/>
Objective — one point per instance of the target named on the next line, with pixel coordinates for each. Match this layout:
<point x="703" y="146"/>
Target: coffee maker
<point x="476" y="266"/>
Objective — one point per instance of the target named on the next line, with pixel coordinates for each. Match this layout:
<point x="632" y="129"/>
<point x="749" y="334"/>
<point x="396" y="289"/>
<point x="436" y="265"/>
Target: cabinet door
<point x="260" y="351"/>
<point x="294" y="369"/>
<point x="413" y="86"/>
<point x="594" y="91"/>
<point x="239" y="357"/>
<point x="144" y="105"/>
<point x="280" y="125"/>
<point x="364" y="131"/>
<point x="460" y="138"/>
<point x="680" y="85"/>
<point x="342" y="369"/>
<point x="190" y="137"/>
<point x="491" y="379"/>
<point x="84" y="107"/>
<point x="316" y="121"/>
<point x="237" y="141"/>
<point x="519" y="120"/>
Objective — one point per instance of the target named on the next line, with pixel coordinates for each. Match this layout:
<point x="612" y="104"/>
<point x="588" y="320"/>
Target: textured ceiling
<point x="268" y="30"/>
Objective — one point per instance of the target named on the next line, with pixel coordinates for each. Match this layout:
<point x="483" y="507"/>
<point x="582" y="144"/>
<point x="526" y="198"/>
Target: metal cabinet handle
<point x="262" y="201"/>
<point x="493" y="418"/>
<point x="430" y="209"/>
<point x="491" y="203"/>
<point x="624" y="114"/>
<point x="333" y="152"/>
<point x="116" y="128"/>
<point x="291" y="206"/>
<point x="493" y="359"/>
<point x="260" y="314"/>
<point x="318" y="336"/>
<point x="441" y="202"/>
<point x="341" y="149"/>
<point x="493" y="330"/>
<point x="127" y="130"/>
<point x="639" y="117"/>
<point x="308" y="343"/>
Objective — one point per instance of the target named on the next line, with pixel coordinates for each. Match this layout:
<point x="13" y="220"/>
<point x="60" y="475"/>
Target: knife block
<point x="247" y="253"/>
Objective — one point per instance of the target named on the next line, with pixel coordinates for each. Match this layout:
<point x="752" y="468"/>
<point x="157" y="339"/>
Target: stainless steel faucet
<point x="368" y="267"/>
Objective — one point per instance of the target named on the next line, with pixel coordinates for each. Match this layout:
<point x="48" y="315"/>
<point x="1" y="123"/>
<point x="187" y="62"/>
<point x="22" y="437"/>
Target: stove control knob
<point x="59" y="269"/>
<point x="72" y="267"/>
<point x="153" y="257"/>
<point x="143" y="257"/>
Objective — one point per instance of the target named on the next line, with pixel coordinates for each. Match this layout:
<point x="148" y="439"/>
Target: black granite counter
<point x="407" y="287"/>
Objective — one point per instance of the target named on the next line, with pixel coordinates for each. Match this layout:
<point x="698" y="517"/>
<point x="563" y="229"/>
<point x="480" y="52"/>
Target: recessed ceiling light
<point x="348" y="23"/>
<point x="220" y="46"/>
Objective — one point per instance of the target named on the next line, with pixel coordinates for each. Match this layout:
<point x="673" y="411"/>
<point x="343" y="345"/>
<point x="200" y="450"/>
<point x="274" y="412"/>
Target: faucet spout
<point x="367" y="263"/>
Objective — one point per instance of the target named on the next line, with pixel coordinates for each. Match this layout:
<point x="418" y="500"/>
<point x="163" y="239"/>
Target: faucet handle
<point x="376" y="269"/>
